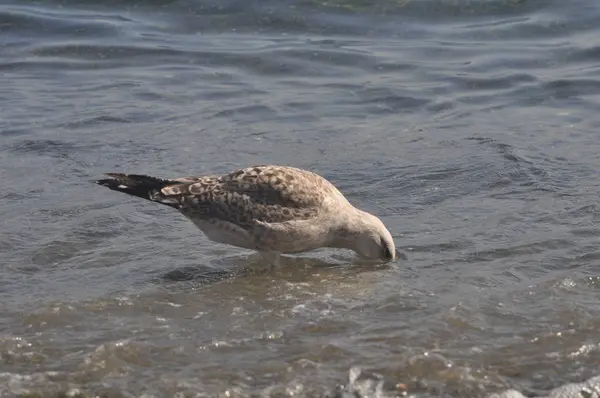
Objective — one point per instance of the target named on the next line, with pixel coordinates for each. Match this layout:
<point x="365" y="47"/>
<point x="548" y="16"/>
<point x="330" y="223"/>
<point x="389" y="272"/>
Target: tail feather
<point x="142" y="186"/>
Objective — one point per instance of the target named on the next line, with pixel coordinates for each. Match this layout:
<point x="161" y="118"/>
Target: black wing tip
<point x="143" y="186"/>
<point x="107" y="182"/>
<point x="137" y="178"/>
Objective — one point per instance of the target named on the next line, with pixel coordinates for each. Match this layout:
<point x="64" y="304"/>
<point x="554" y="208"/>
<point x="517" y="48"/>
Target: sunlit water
<point x="470" y="127"/>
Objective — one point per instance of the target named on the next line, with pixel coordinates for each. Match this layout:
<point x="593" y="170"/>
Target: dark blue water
<point x="469" y="126"/>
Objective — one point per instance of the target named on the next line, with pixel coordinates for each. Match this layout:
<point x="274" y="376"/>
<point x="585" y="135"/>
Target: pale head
<point x="371" y="239"/>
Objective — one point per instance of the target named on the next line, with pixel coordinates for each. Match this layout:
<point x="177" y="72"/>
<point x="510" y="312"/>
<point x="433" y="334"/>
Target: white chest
<point x="225" y="232"/>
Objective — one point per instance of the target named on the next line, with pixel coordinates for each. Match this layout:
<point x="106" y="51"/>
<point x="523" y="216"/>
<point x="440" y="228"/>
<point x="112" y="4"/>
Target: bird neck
<point x="347" y="230"/>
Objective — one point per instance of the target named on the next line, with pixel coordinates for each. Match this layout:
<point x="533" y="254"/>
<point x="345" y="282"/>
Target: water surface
<point x="468" y="126"/>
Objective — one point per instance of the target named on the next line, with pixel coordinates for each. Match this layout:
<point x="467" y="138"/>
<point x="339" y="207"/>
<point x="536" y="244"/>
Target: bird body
<point x="268" y="208"/>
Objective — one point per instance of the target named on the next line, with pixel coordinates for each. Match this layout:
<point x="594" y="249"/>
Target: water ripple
<point x="468" y="126"/>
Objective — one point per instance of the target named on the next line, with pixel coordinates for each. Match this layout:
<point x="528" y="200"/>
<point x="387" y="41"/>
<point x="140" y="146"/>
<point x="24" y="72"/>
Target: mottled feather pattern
<point x="260" y="193"/>
<point x="266" y="208"/>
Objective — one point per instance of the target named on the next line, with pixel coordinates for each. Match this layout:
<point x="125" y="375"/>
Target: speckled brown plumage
<point x="266" y="208"/>
<point x="263" y="193"/>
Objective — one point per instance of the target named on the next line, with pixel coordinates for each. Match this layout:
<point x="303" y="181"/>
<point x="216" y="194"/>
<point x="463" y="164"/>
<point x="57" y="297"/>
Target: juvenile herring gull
<point x="268" y="208"/>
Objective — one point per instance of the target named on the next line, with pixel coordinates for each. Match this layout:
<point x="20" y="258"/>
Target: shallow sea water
<point x="469" y="126"/>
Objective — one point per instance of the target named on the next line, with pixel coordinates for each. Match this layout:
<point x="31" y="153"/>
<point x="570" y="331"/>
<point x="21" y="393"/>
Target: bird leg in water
<point x="273" y="258"/>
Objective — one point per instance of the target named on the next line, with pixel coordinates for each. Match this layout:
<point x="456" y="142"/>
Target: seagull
<point x="267" y="208"/>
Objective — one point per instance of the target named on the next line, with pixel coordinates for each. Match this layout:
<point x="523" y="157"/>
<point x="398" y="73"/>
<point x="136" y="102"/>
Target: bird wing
<point x="267" y="194"/>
